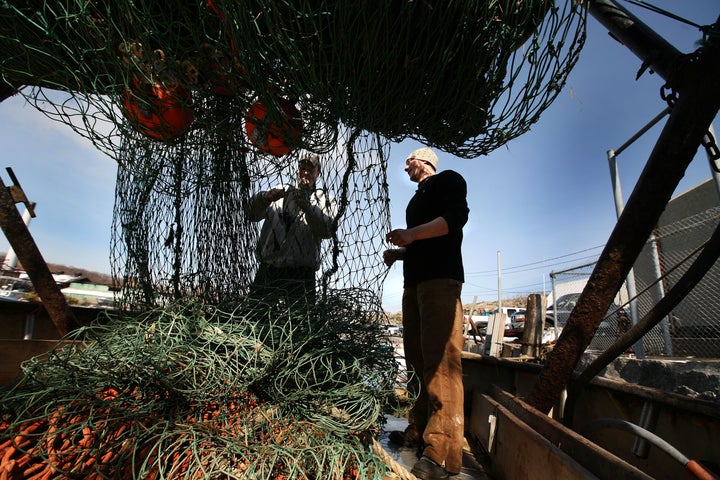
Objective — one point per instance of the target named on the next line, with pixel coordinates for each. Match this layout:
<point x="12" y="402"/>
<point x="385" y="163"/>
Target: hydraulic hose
<point x="695" y="468"/>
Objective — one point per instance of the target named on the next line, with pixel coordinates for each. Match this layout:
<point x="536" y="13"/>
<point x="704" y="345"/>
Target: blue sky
<point x="543" y="201"/>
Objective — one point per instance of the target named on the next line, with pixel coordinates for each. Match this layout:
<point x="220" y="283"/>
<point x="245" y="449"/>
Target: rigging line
<point x="554" y="264"/>
<point x="488" y="289"/>
<point x="555" y="258"/>
<point x="517" y="293"/>
<point x="531" y="286"/>
<point x="653" y="8"/>
<point x="538" y="262"/>
<point x="509" y="269"/>
<point x="535" y="287"/>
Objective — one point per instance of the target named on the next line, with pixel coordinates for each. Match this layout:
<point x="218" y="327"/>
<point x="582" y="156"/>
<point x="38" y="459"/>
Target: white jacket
<point x="291" y="235"/>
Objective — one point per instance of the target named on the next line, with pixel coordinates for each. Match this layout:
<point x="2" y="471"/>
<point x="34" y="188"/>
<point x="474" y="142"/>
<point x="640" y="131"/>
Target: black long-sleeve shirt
<point x="441" y="195"/>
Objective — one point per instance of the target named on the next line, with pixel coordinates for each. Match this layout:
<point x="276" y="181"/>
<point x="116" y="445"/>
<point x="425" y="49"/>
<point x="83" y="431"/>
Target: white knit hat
<point x="426" y="155"/>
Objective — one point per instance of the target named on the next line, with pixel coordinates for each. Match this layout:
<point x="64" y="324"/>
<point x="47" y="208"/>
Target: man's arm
<point x="405" y="236"/>
<point x="320" y="211"/>
<point x="260" y="202"/>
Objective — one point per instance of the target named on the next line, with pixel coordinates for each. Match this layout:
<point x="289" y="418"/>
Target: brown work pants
<point x="433" y="340"/>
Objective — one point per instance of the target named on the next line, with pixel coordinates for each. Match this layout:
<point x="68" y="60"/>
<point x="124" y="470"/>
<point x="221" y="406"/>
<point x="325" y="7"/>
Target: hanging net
<point x="206" y="104"/>
<point x="183" y="228"/>
<point x="465" y="77"/>
<point x="208" y="108"/>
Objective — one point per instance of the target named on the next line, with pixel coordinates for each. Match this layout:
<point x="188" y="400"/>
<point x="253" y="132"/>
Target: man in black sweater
<point x="430" y="248"/>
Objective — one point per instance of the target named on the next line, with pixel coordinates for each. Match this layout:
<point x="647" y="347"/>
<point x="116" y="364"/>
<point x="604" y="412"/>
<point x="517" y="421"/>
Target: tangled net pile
<point x="203" y="105"/>
<point x="191" y="391"/>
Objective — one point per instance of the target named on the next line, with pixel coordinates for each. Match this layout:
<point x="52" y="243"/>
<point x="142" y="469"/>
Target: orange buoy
<point x="160" y="112"/>
<point x="271" y="138"/>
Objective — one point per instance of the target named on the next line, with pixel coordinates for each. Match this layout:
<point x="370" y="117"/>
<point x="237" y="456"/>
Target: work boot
<point x="428" y="469"/>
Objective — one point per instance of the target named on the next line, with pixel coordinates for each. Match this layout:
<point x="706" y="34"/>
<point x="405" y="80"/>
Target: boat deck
<point x="406" y="457"/>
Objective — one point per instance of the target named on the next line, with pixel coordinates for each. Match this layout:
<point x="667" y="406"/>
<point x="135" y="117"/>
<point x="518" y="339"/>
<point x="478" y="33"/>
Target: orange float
<point x="160" y="112"/>
<point x="269" y="137"/>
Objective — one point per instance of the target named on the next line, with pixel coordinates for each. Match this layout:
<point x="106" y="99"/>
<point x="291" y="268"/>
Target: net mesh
<point x="207" y="103"/>
<point x="191" y="391"/>
<point x="465" y="77"/>
<point x="204" y="105"/>
<point x="182" y="228"/>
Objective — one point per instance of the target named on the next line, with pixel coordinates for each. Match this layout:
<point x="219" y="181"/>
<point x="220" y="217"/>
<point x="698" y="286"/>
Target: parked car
<point x="616" y="319"/>
<point x="394" y="330"/>
<point x="517" y="321"/>
<point x="482" y="323"/>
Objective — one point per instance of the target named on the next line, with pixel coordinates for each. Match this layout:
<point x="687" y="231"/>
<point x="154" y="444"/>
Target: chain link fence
<point x="692" y="328"/>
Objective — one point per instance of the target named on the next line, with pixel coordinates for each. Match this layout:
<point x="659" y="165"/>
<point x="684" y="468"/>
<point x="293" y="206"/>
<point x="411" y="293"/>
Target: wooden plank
<point x="596" y="459"/>
<point x="14" y="352"/>
<point x="515" y="450"/>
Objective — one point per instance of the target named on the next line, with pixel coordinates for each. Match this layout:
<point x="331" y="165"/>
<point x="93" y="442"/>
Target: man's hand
<point x="301" y="197"/>
<point x="391" y="255"/>
<point x="400" y="237"/>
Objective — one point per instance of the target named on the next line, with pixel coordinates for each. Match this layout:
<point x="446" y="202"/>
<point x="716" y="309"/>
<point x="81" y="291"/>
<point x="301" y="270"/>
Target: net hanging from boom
<point x="205" y="104"/>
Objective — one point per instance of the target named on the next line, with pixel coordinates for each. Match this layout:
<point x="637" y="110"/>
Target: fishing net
<point x="191" y="391"/>
<point x="182" y="227"/>
<point x="204" y="106"/>
<point x="465" y="77"/>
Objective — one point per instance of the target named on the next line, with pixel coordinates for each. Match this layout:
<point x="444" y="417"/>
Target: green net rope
<point x="190" y="391"/>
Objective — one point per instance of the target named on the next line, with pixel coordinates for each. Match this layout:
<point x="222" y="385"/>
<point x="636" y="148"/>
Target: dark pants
<point x="294" y="285"/>
<point x="433" y="341"/>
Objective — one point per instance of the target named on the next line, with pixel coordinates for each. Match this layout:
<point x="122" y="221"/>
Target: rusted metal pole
<point x="32" y="261"/>
<point x="656" y="53"/>
<point x="18" y="235"/>
<point x="697" y="83"/>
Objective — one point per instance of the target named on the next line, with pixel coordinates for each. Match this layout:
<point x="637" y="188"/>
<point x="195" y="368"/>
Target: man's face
<point x="307" y="175"/>
<point x="415" y="169"/>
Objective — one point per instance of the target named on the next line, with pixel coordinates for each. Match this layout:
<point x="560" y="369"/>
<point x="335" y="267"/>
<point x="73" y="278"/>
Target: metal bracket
<point x="492" y="421"/>
<point x="17" y="193"/>
<point x="711" y="148"/>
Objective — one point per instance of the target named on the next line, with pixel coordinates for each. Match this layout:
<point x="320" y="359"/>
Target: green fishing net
<point x="243" y="390"/>
<point x="461" y="76"/>
<point x="205" y="104"/>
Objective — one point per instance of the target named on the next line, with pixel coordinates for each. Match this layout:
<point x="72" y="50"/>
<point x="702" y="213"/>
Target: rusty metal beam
<point x="32" y="261"/>
<point x="656" y="53"/>
<point x="697" y="83"/>
<point x="705" y="260"/>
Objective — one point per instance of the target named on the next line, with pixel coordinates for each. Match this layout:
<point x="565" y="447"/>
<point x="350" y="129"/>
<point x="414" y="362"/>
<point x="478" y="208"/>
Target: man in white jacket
<point x="296" y="219"/>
